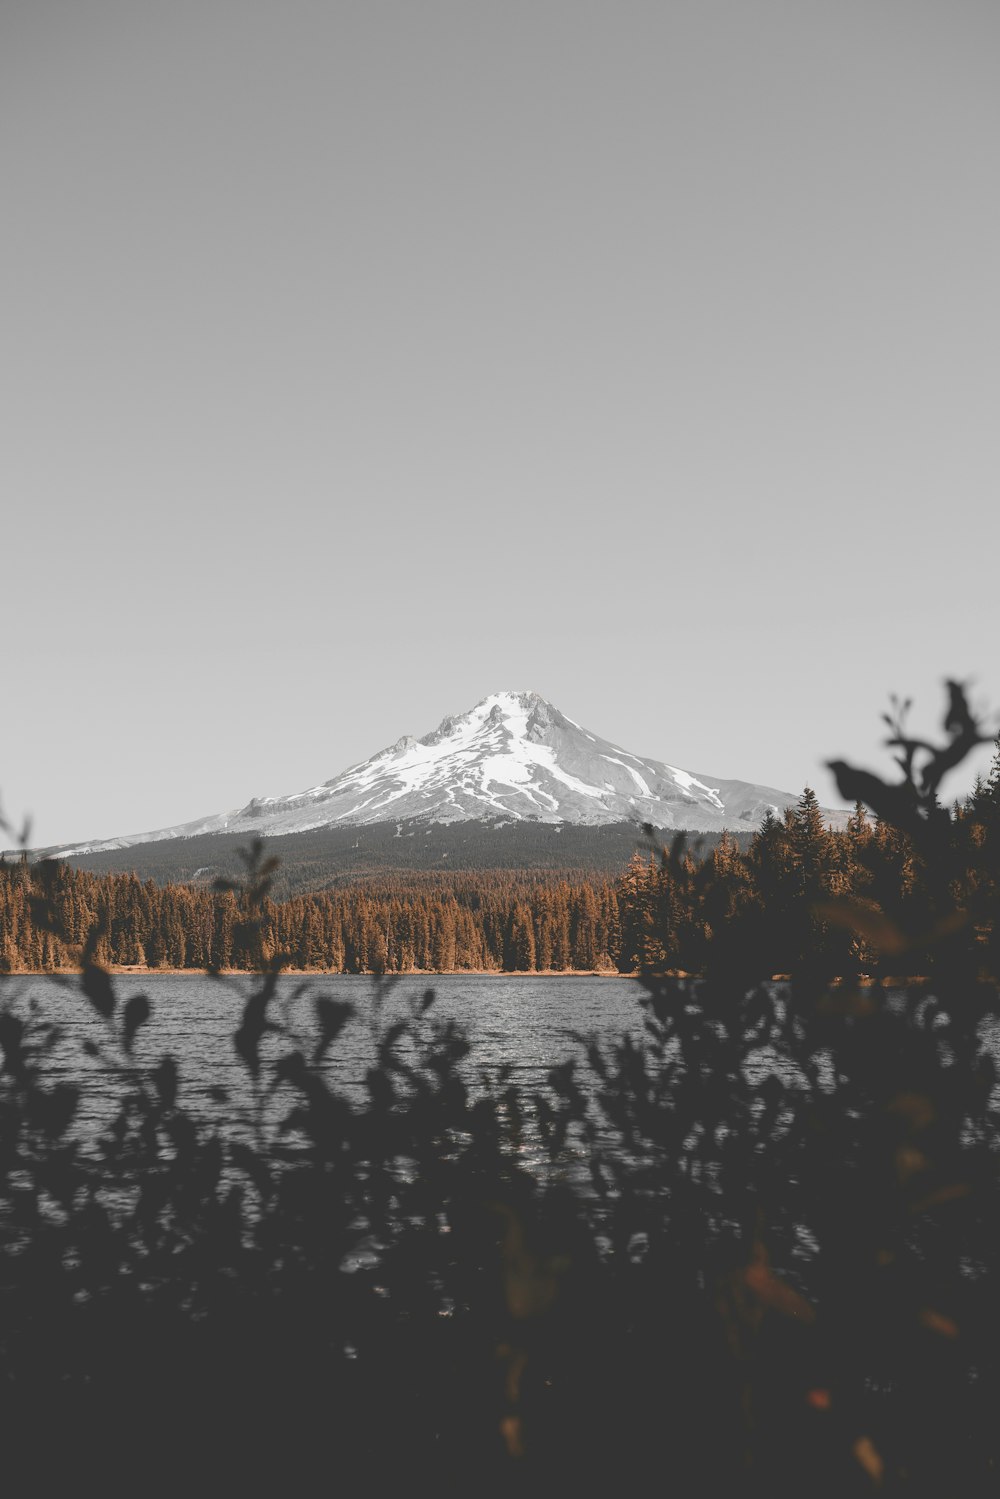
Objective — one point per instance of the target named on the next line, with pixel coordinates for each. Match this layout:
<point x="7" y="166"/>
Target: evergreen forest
<point x="798" y="891"/>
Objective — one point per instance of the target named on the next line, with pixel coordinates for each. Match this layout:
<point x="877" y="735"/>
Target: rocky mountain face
<point x="513" y="757"/>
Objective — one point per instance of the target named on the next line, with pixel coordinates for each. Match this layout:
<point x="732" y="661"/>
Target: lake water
<point x="514" y="1020"/>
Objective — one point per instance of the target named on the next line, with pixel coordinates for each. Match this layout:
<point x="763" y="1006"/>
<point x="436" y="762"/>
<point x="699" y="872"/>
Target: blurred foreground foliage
<point x="759" y="1254"/>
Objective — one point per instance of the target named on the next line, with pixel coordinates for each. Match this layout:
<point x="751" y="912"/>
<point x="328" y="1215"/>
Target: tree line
<point x="799" y="892"/>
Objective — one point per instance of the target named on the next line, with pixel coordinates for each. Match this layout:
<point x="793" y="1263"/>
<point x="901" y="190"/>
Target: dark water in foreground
<point x="512" y="1020"/>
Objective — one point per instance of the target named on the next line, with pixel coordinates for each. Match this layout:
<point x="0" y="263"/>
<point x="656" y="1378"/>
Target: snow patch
<point x="637" y="778"/>
<point x="688" y="781"/>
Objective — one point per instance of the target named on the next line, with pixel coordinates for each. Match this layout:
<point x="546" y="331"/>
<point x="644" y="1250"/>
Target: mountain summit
<point x="513" y="757"/>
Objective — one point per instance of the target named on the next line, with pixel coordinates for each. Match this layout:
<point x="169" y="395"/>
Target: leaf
<point x="868" y="922"/>
<point x="137" y="1012"/>
<point x="53" y="1109"/>
<point x="510" y="1430"/>
<point x="936" y="1199"/>
<point x="954" y="922"/>
<point x="331" y="1017"/>
<point x="255" y="1023"/>
<point x="895" y="804"/>
<point x="387" y="1044"/>
<point x="909" y="1162"/>
<point x="939" y="1323"/>
<point x="184" y="1136"/>
<point x="97" y="931"/>
<point x="11" y="1037"/>
<point x="291" y="1068"/>
<point x="916" y="1108"/>
<point x="530" y="1281"/>
<point x="42" y="914"/>
<point x="774" y="1293"/>
<point x="869" y="1457"/>
<point x="959" y="719"/>
<point x="165" y="1076"/>
<point x="97" y="986"/>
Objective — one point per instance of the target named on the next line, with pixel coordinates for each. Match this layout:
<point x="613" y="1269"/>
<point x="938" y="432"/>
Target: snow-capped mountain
<point x="511" y="757"/>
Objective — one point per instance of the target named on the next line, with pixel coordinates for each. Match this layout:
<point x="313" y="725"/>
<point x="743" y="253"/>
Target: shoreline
<point x="134" y="971"/>
<point x="856" y="981"/>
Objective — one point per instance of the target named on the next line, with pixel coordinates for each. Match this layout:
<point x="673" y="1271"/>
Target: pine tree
<point x="522" y="940"/>
<point x="810" y="842"/>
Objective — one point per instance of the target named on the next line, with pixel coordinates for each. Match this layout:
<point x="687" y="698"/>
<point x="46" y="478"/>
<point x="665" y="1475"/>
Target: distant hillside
<point x="326" y="857"/>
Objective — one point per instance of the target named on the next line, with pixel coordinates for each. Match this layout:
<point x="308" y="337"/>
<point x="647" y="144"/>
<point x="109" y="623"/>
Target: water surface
<point x="518" y="1021"/>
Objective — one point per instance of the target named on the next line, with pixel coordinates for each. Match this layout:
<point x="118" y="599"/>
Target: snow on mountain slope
<point x="512" y="756"/>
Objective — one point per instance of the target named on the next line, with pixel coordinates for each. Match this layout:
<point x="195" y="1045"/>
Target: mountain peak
<point x="513" y="756"/>
<point x="525" y="700"/>
<point x="512" y="711"/>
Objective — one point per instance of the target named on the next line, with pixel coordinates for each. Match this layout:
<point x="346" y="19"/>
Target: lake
<point x="515" y="1020"/>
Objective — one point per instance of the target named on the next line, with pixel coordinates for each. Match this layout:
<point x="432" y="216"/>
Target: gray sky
<point x="359" y="360"/>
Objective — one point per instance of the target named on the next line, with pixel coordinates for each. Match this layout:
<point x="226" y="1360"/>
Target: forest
<point x="797" y="890"/>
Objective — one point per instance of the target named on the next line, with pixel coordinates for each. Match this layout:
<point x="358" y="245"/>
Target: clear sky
<point x="361" y="359"/>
